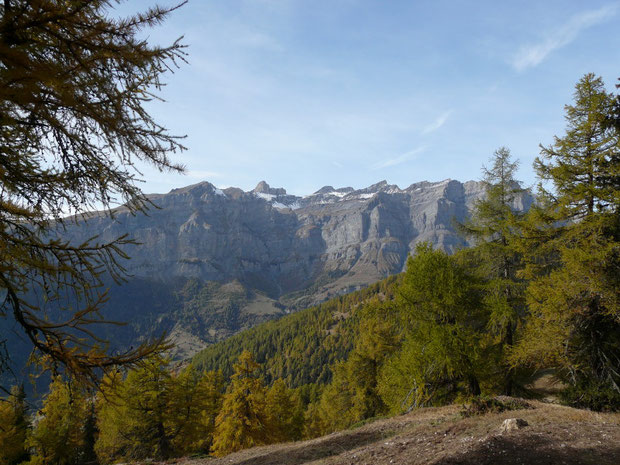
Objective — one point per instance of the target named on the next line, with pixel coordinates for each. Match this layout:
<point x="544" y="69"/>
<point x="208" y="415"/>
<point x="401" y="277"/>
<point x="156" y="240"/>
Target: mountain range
<point x="211" y="261"/>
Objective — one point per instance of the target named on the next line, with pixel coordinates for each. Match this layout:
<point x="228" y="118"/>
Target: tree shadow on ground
<point x="533" y="449"/>
<point x="308" y="451"/>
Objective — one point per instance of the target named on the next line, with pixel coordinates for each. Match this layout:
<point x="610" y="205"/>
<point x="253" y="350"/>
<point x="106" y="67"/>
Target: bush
<point x="483" y="405"/>
<point x="593" y="395"/>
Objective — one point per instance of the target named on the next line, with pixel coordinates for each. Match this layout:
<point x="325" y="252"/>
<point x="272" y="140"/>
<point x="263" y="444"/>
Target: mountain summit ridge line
<point x="285" y="240"/>
<point x="211" y="262"/>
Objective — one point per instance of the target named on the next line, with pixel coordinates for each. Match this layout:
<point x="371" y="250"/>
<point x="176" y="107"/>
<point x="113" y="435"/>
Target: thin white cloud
<point x="398" y="160"/>
<point x="439" y="122"/>
<point x="532" y="55"/>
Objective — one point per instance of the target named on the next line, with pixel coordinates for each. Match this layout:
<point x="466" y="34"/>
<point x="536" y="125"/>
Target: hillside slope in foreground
<point x="555" y="435"/>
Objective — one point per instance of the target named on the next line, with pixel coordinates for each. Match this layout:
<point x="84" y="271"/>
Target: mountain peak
<point x="325" y="190"/>
<point x="264" y="188"/>
<point x="377" y="187"/>
<point x="198" y="187"/>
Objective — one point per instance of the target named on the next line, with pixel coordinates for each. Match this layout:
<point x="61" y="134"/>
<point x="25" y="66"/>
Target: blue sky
<point x="304" y="94"/>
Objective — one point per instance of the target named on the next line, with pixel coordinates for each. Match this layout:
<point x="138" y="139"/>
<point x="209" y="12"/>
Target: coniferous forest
<point x="538" y="293"/>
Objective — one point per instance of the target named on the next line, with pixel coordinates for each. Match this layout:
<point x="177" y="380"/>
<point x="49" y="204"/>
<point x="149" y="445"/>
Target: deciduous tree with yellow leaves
<point x="243" y="420"/>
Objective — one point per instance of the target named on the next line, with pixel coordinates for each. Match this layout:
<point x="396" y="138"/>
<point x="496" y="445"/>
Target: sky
<point x="304" y="94"/>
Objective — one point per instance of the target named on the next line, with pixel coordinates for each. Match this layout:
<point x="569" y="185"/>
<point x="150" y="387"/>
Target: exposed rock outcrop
<point x="513" y="424"/>
<point x="280" y="243"/>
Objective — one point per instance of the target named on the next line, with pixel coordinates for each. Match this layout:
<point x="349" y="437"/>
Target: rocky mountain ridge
<point x="280" y="243"/>
<point x="269" y="252"/>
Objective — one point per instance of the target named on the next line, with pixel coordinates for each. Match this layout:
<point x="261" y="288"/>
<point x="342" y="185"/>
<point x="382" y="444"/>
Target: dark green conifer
<point x="572" y="249"/>
<point x="442" y="354"/>
<point x="14" y="427"/>
<point x="493" y="226"/>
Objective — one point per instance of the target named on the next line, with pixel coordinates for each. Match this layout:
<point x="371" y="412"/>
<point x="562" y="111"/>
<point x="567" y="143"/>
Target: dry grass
<point x="441" y="436"/>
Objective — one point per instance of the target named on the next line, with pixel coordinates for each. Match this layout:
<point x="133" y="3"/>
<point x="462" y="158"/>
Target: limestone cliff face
<point x="213" y="262"/>
<point x="280" y="243"/>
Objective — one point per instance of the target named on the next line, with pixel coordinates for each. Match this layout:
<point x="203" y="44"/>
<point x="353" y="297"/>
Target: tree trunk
<point x="508" y="381"/>
<point x="162" y="440"/>
<point x="474" y="386"/>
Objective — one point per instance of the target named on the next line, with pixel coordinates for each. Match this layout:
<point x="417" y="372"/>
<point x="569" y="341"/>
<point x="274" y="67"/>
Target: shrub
<point x="483" y="405"/>
<point x="592" y="395"/>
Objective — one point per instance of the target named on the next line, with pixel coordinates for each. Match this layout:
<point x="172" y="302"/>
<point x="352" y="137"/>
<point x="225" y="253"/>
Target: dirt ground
<point x="441" y="436"/>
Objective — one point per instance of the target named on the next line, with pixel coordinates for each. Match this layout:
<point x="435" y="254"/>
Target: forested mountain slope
<point x="224" y="260"/>
<point x="209" y="263"/>
<point x="302" y="347"/>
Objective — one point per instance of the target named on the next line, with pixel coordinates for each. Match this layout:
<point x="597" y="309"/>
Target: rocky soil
<point x="554" y="435"/>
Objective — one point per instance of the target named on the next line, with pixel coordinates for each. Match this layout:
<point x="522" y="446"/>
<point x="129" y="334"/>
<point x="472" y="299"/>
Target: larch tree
<point x="14" y="427"/>
<point x="243" y="420"/>
<point x="59" y="436"/>
<point x="195" y="400"/>
<point x="162" y="414"/>
<point x="286" y="413"/>
<point x="111" y="416"/>
<point x="493" y="227"/>
<point x="573" y="245"/>
<point x="74" y="129"/>
<point x="442" y="354"/>
<point x="611" y="177"/>
<point x="576" y="163"/>
<point x="135" y="415"/>
<point x="339" y="405"/>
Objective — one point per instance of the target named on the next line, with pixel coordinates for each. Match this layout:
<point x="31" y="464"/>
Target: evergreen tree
<point x="578" y="163"/>
<point x="59" y="436"/>
<point x="14" y="427"/>
<point x="135" y="417"/>
<point x="286" y="412"/>
<point x="195" y="401"/>
<point x="573" y="245"/>
<point x="147" y="396"/>
<point x="243" y="420"/>
<point x="493" y="226"/>
<point x="111" y="416"/>
<point x="90" y="434"/>
<point x="379" y="337"/>
<point x="611" y="176"/>
<point x="340" y="405"/>
<point x="442" y="354"/>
